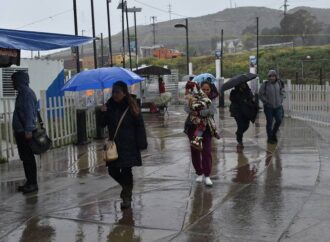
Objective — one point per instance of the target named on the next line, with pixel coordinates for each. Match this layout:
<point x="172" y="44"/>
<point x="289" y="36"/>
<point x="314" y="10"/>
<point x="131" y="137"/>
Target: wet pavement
<point x="266" y="193"/>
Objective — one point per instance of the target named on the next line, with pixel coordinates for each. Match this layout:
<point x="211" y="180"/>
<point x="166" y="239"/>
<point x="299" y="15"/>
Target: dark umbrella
<point x="236" y="80"/>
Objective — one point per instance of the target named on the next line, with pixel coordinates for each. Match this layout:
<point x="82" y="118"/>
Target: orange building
<point x="165" y="53"/>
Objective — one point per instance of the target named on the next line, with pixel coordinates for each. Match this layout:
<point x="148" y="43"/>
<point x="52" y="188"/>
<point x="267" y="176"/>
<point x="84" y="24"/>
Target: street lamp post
<point x="76" y="33"/>
<point x="187" y="40"/>
<point x="94" y="40"/>
<point x="135" y="10"/>
<point x="128" y="38"/>
<point x="121" y="6"/>
<point x="109" y="32"/>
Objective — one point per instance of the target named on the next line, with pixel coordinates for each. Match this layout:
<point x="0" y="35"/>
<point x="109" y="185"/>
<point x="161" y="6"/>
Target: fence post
<point x="289" y="93"/>
<point x="43" y="109"/>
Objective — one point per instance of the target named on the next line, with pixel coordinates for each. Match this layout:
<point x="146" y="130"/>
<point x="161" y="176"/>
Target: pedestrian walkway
<point x="266" y="193"/>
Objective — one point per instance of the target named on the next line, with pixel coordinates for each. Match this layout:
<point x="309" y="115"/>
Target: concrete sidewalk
<point x="267" y="193"/>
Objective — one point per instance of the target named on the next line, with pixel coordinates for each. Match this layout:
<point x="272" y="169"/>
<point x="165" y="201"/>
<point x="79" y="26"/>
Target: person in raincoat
<point x="24" y="122"/>
<point x="130" y="139"/>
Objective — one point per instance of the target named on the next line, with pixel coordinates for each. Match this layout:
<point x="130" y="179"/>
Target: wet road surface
<point x="266" y="193"/>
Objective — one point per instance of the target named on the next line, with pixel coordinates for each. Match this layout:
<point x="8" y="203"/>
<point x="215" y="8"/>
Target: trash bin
<point x="98" y="120"/>
<point x="81" y="127"/>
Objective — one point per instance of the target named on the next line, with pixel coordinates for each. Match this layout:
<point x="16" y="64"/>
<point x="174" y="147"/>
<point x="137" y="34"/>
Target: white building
<point x="44" y="75"/>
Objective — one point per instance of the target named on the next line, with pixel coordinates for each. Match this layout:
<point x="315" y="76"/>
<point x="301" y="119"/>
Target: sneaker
<point x="199" y="178"/>
<point x="208" y="181"/>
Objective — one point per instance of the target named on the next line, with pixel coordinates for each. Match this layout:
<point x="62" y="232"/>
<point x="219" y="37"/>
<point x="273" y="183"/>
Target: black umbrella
<point x="236" y="80"/>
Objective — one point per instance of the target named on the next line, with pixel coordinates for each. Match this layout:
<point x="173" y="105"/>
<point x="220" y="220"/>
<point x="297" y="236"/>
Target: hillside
<point x="291" y="63"/>
<point x="202" y="29"/>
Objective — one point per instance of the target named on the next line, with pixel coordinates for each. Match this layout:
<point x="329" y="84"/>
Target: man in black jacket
<point x="24" y="122"/>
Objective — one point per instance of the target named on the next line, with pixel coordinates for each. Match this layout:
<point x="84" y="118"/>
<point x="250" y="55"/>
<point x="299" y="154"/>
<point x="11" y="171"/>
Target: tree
<point x="249" y="36"/>
<point x="270" y="36"/>
<point x="300" y="24"/>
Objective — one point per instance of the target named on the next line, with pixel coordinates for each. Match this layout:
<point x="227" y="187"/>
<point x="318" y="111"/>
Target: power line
<point x="46" y="18"/>
<point x="159" y="9"/>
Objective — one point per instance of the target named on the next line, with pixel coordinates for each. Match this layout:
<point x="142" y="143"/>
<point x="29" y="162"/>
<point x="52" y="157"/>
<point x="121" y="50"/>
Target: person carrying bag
<point x="127" y="136"/>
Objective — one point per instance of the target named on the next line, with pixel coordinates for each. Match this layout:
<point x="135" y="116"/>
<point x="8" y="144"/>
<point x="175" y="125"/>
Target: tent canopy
<point x="29" y="40"/>
<point x="152" y="70"/>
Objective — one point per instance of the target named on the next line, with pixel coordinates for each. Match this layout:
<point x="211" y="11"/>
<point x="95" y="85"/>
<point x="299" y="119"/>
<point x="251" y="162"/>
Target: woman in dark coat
<point x="243" y="109"/>
<point x="130" y="139"/>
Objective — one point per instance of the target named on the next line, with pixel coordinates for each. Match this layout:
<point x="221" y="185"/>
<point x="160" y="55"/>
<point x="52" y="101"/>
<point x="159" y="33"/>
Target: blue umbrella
<point x="101" y="78"/>
<point x="204" y="77"/>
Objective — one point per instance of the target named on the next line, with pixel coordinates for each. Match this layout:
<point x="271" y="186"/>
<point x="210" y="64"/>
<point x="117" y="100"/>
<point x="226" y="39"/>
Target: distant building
<point x="231" y="46"/>
<point x="165" y="53"/>
<point x="148" y="51"/>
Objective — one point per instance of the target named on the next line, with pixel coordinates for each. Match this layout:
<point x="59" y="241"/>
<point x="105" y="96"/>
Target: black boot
<point x="126" y="195"/>
<point x="30" y="188"/>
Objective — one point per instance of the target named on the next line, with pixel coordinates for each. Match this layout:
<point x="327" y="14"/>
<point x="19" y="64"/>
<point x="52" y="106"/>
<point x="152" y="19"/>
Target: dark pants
<point x="243" y="124"/>
<point x="27" y="156"/>
<point x="271" y="114"/>
<point x="124" y="177"/>
<point x="202" y="161"/>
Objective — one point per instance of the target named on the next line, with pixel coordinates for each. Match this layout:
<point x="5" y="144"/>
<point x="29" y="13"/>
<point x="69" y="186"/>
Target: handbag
<point x="40" y="141"/>
<point x="110" y="152"/>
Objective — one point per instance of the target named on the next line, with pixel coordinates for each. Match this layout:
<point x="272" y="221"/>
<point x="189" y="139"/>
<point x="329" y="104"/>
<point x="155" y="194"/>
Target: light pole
<point x="135" y="10"/>
<point x="94" y="40"/>
<point x="121" y="6"/>
<point x="187" y="40"/>
<point x="109" y="32"/>
<point x="128" y="38"/>
<point x="76" y="33"/>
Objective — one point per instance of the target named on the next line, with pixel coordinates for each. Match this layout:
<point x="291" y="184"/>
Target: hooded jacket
<point x="272" y="93"/>
<point x="25" y="113"/>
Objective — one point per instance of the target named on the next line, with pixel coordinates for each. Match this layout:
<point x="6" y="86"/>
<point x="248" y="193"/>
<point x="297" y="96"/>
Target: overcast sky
<point x="57" y="15"/>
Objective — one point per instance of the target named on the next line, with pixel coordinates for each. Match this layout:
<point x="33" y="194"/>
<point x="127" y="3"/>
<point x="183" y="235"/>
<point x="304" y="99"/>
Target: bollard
<point x="81" y="127"/>
<point x="98" y="121"/>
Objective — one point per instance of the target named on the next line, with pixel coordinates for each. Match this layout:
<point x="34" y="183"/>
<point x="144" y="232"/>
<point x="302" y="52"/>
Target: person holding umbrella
<point x="122" y="113"/>
<point x="243" y="109"/>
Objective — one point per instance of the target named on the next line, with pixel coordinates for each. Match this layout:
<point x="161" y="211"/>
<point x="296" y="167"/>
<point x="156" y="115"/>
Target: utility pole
<point x="122" y="7"/>
<point x="154" y="18"/>
<point x="285" y="5"/>
<point x="82" y="46"/>
<point x="170" y="12"/>
<point x="109" y="32"/>
<point x="128" y="38"/>
<point x="94" y="40"/>
<point x="257" y="69"/>
<point x="102" y="54"/>
<point x="76" y="33"/>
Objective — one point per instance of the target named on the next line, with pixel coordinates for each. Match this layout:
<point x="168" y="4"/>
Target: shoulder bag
<point x="110" y="152"/>
<point x="40" y="141"/>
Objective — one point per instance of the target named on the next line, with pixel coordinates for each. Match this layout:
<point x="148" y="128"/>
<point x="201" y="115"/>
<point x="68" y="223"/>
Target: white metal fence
<point x="59" y="118"/>
<point x="308" y="102"/>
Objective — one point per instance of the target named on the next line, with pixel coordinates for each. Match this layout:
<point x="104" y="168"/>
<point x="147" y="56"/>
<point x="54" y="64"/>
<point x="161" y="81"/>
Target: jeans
<point x="124" y="177"/>
<point x="271" y="114"/>
<point x="243" y="124"/>
<point x="27" y="156"/>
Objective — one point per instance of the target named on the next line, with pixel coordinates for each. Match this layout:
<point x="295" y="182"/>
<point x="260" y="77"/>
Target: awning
<point x="152" y="70"/>
<point x="29" y="40"/>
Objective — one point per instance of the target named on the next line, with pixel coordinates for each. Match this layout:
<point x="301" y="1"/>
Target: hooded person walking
<point x="24" y="122"/>
<point x="271" y="94"/>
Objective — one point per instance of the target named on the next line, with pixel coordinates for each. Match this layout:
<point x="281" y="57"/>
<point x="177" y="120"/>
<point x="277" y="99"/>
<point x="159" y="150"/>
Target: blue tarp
<point x="28" y="40"/>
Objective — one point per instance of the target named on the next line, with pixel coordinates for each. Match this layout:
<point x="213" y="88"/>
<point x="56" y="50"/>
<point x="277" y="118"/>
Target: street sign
<point x="218" y="54"/>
